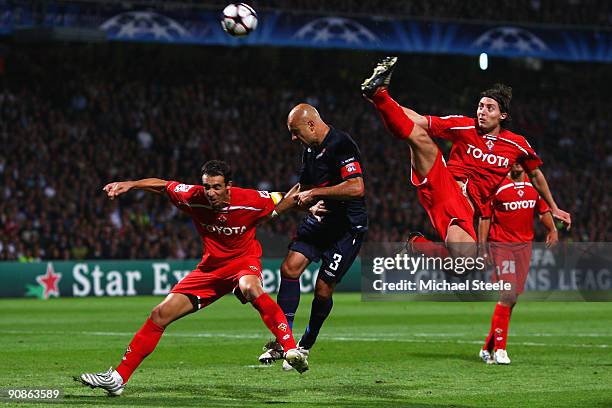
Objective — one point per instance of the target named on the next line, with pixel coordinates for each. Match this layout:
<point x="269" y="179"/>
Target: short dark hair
<point x="502" y="94"/>
<point x="217" y="168"/>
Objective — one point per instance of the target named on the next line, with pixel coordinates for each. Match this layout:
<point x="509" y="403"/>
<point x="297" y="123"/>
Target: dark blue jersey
<point x="337" y="159"/>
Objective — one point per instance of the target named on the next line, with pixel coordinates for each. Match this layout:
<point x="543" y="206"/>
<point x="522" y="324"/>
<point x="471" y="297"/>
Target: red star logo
<point x="50" y="281"/>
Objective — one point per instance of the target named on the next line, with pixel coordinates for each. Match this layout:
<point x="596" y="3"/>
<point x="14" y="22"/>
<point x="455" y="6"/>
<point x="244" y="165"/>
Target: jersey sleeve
<point x="448" y="127"/>
<point x="530" y="160"/>
<point x="541" y="206"/>
<point x="184" y="195"/>
<point x="487" y="209"/>
<point x="264" y="201"/>
<point x="348" y="159"/>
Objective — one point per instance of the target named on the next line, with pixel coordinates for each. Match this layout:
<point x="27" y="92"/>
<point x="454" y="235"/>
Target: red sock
<point x="499" y="328"/>
<point x="273" y="316"/>
<point x="394" y="118"/>
<point x="430" y="248"/>
<point x="142" y="345"/>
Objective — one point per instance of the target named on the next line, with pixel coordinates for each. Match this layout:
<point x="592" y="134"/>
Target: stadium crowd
<point x="554" y="12"/>
<point x="74" y="118"/>
<point x="574" y="12"/>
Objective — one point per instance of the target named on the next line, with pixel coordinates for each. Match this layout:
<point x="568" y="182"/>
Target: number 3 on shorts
<point x="334" y="265"/>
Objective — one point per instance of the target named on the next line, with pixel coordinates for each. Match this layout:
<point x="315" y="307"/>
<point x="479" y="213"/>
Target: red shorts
<point x="511" y="260"/>
<point x="443" y="199"/>
<point x="203" y="288"/>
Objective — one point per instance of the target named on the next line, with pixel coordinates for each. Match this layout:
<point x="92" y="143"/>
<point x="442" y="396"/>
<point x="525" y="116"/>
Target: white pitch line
<point x="378" y="336"/>
<point x="402" y="339"/>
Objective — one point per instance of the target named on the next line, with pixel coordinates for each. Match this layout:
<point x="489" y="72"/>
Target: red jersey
<point x="512" y="210"/>
<point x="228" y="233"/>
<point x="481" y="161"/>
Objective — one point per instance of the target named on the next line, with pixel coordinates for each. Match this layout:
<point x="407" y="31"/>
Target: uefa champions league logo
<point x="138" y="24"/>
<point x="337" y="29"/>
<point x="510" y="39"/>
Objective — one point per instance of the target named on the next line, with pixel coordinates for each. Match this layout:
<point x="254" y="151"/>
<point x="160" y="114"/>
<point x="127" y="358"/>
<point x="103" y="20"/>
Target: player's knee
<point x="323" y="290"/>
<point x="508" y="299"/>
<point x="162" y="315"/>
<point x="290" y="271"/>
<point x="251" y="291"/>
<point x="158" y="316"/>
<point x="460" y="243"/>
<point x="324" y="295"/>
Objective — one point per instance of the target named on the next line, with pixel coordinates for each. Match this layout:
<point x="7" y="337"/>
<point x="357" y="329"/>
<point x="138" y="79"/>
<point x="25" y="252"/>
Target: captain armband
<point x="276" y="197"/>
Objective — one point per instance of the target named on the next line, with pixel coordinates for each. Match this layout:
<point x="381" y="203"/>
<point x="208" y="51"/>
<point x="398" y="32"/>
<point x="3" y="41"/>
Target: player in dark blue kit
<point x="331" y="179"/>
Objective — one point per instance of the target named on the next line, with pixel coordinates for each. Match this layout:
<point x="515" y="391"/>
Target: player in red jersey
<point x="507" y="223"/>
<point x="226" y="218"/>
<point x="481" y="156"/>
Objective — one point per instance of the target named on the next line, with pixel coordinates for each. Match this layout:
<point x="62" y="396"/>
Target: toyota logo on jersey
<point x="516" y="205"/>
<point x="221" y="230"/>
<point x="490" y="158"/>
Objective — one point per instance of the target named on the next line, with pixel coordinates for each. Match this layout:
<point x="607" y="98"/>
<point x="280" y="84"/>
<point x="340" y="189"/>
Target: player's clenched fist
<point x="117" y="188"/>
<point x="563" y="216"/>
<point x="305" y="198"/>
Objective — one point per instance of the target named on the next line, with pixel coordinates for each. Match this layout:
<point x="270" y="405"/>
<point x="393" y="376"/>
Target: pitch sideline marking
<point x="334" y="338"/>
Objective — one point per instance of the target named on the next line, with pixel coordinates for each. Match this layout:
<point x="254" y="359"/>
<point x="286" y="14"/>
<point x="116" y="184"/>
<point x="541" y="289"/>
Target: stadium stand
<point x="75" y="117"/>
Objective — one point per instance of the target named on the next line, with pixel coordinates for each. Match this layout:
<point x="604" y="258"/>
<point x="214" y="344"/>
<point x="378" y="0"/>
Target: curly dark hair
<point x="217" y="168"/>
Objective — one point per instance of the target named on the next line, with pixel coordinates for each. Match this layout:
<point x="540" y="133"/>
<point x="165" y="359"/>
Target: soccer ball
<point x="239" y="19"/>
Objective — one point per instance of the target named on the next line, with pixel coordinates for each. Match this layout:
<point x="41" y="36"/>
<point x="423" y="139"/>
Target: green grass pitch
<point x="413" y="354"/>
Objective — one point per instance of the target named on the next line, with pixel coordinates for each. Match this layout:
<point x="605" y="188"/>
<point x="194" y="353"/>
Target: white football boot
<point x="501" y="357"/>
<point x="110" y="381"/>
<point x="272" y="351"/>
<point x="297" y="359"/>
<point x="486" y="356"/>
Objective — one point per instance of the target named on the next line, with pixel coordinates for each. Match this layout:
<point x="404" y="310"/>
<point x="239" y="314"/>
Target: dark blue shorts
<point x="335" y="246"/>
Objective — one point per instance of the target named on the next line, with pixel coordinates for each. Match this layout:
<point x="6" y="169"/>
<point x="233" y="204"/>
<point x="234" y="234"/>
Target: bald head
<point x="306" y="125"/>
<point x="303" y="113"/>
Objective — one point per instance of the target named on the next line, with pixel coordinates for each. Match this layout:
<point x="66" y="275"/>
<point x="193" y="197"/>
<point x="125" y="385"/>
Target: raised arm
<point x="116" y="188"/>
<point x="541" y="185"/>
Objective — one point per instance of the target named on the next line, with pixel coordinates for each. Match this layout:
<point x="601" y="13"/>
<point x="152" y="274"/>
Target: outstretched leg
<point x="270" y="312"/>
<point x="274" y="318"/>
<point x="430" y="175"/>
<point x="395" y="117"/>
<point x="174" y="306"/>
